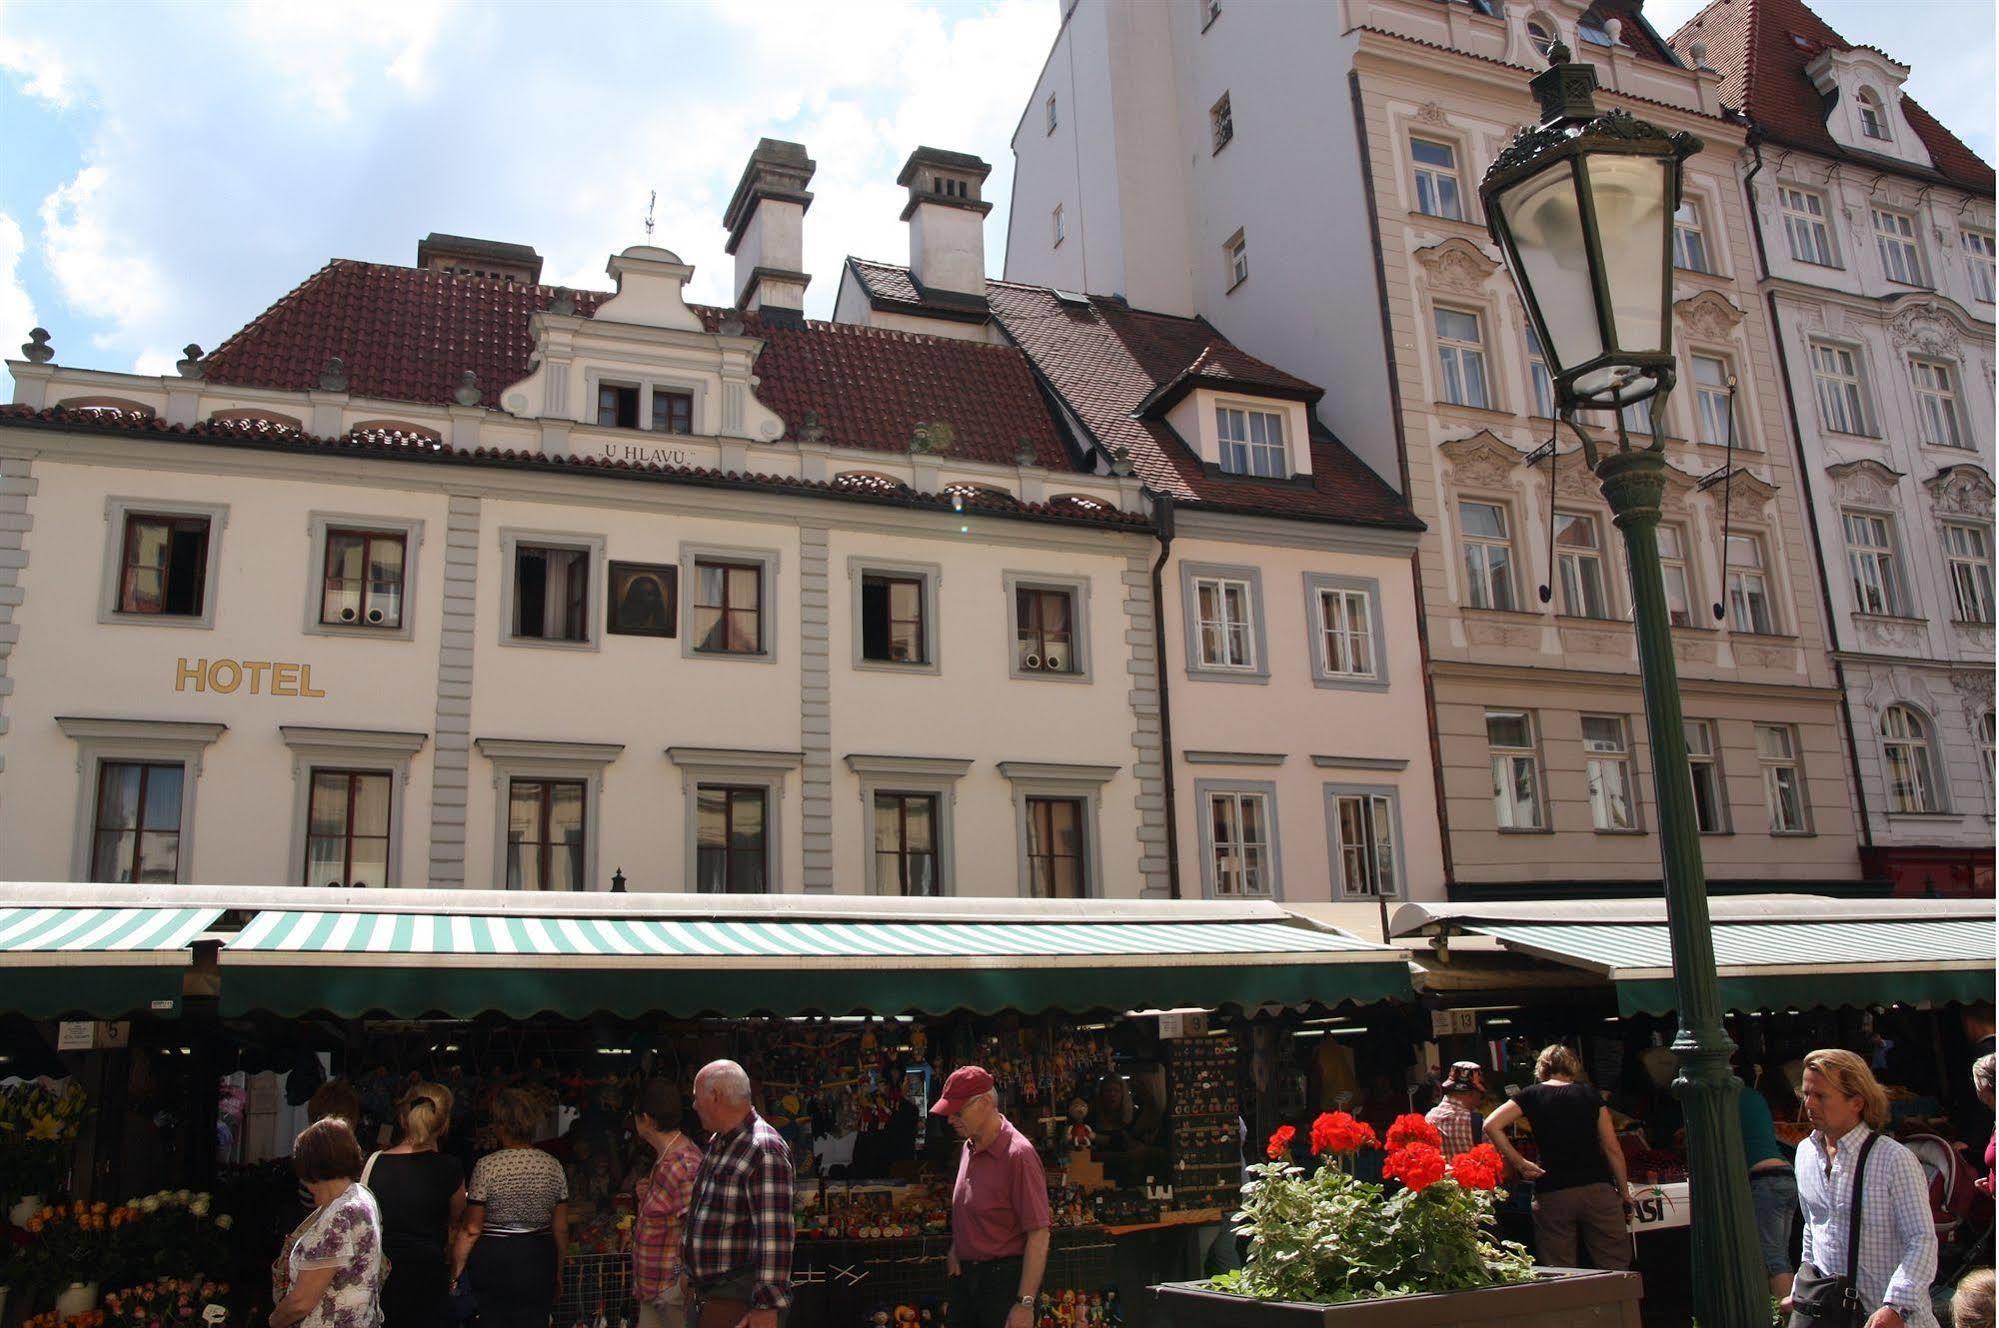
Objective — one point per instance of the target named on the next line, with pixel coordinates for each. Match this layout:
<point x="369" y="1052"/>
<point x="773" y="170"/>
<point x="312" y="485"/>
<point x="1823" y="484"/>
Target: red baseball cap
<point x="966" y="1082"/>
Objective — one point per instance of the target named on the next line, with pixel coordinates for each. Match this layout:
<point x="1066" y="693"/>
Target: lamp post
<point x="1582" y="206"/>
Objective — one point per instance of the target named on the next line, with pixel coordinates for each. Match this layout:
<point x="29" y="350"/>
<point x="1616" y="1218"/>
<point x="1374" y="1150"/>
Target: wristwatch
<point x="1027" y="1301"/>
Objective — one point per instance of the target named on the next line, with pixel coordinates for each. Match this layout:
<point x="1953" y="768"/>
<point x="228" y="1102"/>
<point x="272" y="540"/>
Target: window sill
<point x="1337" y="682"/>
<point x="1500" y="615"/>
<point x="545" y="643"/>
<point x="1715" y="834"/>
<point x="1043" y="675"/>
<point x="1721" y="278"/>
<point x="1692" y="627"/>
<point x="1755" y="638"/>
<point x="738" y="656"/>
<point x="1236" y="285"/>
<point x="1622" y="834"/>
<point x="1938" y="818"/>
<point x="1219" y="146"/>
<point x="1813" y="262"/>
<point x="1472" y="229"/>
<point x="1586" y="620"/>
<point x="891" y="666"/>
<point x="1476" y="413"/>
<point x="358" y="632"/>
<point x="1949" y="447"/>
<point x="1794" y="834"/>
<point x="1970" y="624"/>
<point x="1199" y="673"/>
<point x="179" y="620"/>
<point x="1523" y="830"/>
<point x="1855" y="433"/>
<point x="1890" y="619"/>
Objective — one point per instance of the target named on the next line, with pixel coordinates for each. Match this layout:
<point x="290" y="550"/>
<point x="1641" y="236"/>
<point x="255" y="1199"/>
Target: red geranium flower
<point x="1280" y="1142"/>
<point x="1416" y="1165"/>
<point x="1479" y="1169"/>
<point x="1413" y="1129"/>
<point x="1339" y="1132"/>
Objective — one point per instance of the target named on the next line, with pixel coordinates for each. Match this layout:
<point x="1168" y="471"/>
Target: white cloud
<point x="96" y="265"/>
<point x="41" y="73"/>
<point x="17" y="308"/>
<point x="321" y="52"/>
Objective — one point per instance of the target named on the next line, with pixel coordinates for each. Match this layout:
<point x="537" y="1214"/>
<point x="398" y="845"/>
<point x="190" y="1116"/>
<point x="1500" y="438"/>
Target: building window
<point x="1055" y="849"/>
<point x="892" y="620"/>
<point x="1690" y="238"/>
<point x="732" y="853"/>
<point x="1516" y="776"/>
<point x="1637" y="417"/>
<point x="1346" y="633"/>
<point x="1988" y="729"/>
<point x="1968" y="552"/>
<point x="1936" y="403"/>
<point x="164" y="572"/>
<point x="1673" y="563"/>
<point x="1591" y="30"/>
<point x="347" y="828"/>
<point x="672" y="412"/>
<point x="545" y="823"/>
<point x="1056" y="220"/>
<point x="1365" y="844"/>
<point x="1225" y="625"/>
<point x="1905" y="738"/>
<point x="1783" y="779"/>
<point x="1488" y="555"/>
<point x="1252" y="442"/>
<point x="1052" y="121"/>
<point x="617" y="406"/>
<point x="1842" y="401"/>
<point x="1711" y="399"/>
<point x="551" y="593"/>
<point x="1044" y="630"/>
<point x="1704" y="765"/>
<point x="363" y="585"/>
<point x="1240" y="843"/>
<point x="1541" y="35"/>
<point x="1221" y="124"/>
<point x="1804" y="225"/>
<point x="1579" y="564"/>
<point x="906" y="844"/>
<point x="1609" y="753"/>
<point x="1543" y="381"/>
<point x="1461" y="358"/>
<point x="1901" y="256"/>
<point x="1870" y="559"/>
<point x="135" y="834"/>
<point x="1748" y="586"/>
<point x="1237" y="250"/>
<point x="728" y="608"/>
<point x="1872" y="122"/>
<point x="1436" y="179"/>
<point x="1978" y="254"/>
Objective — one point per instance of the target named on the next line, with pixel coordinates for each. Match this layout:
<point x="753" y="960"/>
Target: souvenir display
<point x="1207" y="1122"/>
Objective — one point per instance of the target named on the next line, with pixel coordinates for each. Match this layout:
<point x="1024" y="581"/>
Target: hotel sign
<point x="255" y="676"/>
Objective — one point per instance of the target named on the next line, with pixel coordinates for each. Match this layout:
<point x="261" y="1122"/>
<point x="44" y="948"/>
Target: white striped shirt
<point x="1898" y="1241"/>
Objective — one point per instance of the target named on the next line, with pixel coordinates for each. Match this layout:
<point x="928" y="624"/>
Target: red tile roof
<point x="409" y="335"/>
<point x="261" y="435"/>
<point x="1105" y="359"/>
<point x="1754" y="45"/>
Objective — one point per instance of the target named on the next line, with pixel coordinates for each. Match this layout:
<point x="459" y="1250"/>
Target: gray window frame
<point x="319" y="524"/>
<point x="1315" y="584"/>
<point x="363" y="751"/>
<point x="161" y="741"/>
<point x="532" y="759"/>
<point x="770" y="560"/>
<point x="938" y="776"/>
<point x="859" y="568"/>
<point x="1203" y="790"/>
<point x="511" y="538"/>
<point x="1332" y="794"/>
<point x="1078" y="590"/>
<point x="734" y="768"/>
<point x="119" y="506"/>
<point x="1190" y="623"/>
<point x="1052" y="779"/>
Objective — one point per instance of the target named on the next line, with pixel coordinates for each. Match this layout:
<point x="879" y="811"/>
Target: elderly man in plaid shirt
<point x="737" y="1246"/>
<point x="1898" y="1240"/>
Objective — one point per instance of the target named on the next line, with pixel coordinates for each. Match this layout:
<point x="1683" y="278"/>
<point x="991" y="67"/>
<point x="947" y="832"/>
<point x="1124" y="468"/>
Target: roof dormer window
<point x="1873" y="121"/>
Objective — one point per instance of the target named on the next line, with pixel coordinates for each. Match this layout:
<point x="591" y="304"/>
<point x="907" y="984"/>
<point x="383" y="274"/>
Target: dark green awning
<point x="103" y="963"/>
<point x="413" y="964"/>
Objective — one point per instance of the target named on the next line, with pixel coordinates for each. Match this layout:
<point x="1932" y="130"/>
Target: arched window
<point x="1873" y="120"/>
<point x="1541" y="32"/>
<point x="1905" y="742"/>
<point x="394" y="431"/>
<point x="107" y="406"/>
<point x="866" y="481"/>
<point x="268" y="418"/>
<point x="966" y="491"/>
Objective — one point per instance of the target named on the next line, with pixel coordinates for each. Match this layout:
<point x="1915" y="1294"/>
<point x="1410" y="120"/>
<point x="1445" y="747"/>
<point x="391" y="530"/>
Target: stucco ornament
<point x="1483" y="632"/>
<point x="1679" y="485"/>
<point x="1961" y="490"/>
<point x="1764" y="656"/>
<point x="1482" y="461"/>
<point x="1974" y="691"/>
<point x="1927" y="329"/>
<point x="1744" y="495"/>
<point x="1583" y="642"/>
<point x="1693" y="650"/>
<point x="1888" y="634"/>
<point x="1708" y="315"/>
<point x="1574" y="478"/>
<point x="1432" y="114"/>
<point x="1864" y="481"/>
<point x="1457" y="265"/>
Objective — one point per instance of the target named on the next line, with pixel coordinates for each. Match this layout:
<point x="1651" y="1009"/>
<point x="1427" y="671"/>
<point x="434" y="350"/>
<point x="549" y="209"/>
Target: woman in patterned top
<point x="516" y="1222"/>
<point x="331" y="1275"/>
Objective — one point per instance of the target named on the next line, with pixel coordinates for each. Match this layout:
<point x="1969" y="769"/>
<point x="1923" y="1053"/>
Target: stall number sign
<point x="1183" y="1024"/>
<point x="255" y="676"/>
<point x="1453" y="1023"/>
<point x="92" y="1034"/>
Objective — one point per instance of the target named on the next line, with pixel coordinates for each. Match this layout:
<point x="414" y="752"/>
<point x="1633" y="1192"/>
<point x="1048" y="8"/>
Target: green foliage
<point x="1329" y="1237"/>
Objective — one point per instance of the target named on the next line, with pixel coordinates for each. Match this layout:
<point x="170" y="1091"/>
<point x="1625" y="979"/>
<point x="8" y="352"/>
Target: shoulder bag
<point x="1819" y="1300"/>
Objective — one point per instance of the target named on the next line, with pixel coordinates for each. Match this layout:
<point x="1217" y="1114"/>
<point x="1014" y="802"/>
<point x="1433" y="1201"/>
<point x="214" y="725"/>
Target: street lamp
<point x="1582" y="206"/>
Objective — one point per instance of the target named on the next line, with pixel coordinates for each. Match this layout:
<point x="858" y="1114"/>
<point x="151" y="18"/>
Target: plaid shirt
<point x="740" y="1218"/>
<point x="1898" y="1241"/>
<point x="1458" y="1124"/>
<point x="662" y="1197"/>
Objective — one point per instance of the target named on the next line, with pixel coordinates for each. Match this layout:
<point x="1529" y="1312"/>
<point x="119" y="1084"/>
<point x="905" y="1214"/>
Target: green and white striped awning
<point x="419" y="963"/>
<point x="102" y="962"/>
<point x="1776" y="965"/>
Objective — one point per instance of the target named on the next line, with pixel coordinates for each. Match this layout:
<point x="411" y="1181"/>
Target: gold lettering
<point x="305" y="687"/>
<point x="255" y="668"/>
<point x="284" y="680"/>
<point x="215" y="675"/>
<point x="183" y="675"/>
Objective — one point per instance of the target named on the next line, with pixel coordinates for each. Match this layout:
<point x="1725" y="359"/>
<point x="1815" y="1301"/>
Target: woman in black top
<point x="421" y="1193"/>
<point x="1581" y="1194"/>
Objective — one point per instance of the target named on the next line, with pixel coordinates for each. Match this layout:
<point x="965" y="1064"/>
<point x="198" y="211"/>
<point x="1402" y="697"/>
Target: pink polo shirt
<point x="1001" y="1197"/>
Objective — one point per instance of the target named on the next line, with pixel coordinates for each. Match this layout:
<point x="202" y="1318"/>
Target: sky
<point x="167" y="171"/>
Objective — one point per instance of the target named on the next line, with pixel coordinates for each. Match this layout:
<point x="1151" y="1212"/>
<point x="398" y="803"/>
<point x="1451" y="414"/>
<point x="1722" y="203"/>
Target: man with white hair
<point x="737" y="1243"/>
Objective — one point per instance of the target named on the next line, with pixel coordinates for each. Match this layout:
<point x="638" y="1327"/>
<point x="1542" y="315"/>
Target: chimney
<point x="766" y="225"/>
<point x="947" y="221"/>
<point x="463" y="256"/>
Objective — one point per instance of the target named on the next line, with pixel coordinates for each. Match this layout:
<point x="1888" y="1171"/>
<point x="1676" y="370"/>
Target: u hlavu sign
<point x="256" y="676"/>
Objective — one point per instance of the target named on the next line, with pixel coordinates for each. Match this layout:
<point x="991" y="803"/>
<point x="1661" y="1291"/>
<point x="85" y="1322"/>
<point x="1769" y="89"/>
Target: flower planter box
<point x="1573" y="1298"/>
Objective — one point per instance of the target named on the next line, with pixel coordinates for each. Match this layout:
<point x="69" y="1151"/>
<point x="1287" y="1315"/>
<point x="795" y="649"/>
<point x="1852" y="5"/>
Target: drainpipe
<point x="1851" y="735"/>
<point x="1162" y="528"/>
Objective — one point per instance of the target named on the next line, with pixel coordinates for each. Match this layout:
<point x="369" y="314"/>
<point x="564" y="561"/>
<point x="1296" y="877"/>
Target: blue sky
<point x="168" y="171"/>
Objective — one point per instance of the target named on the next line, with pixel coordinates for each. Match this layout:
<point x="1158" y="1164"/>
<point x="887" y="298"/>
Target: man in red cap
<point x="999" y="1209"/>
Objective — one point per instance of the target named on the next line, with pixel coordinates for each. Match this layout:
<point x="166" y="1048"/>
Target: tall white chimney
<point x="947" y="221"/>
<point x="766" y="224"/>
